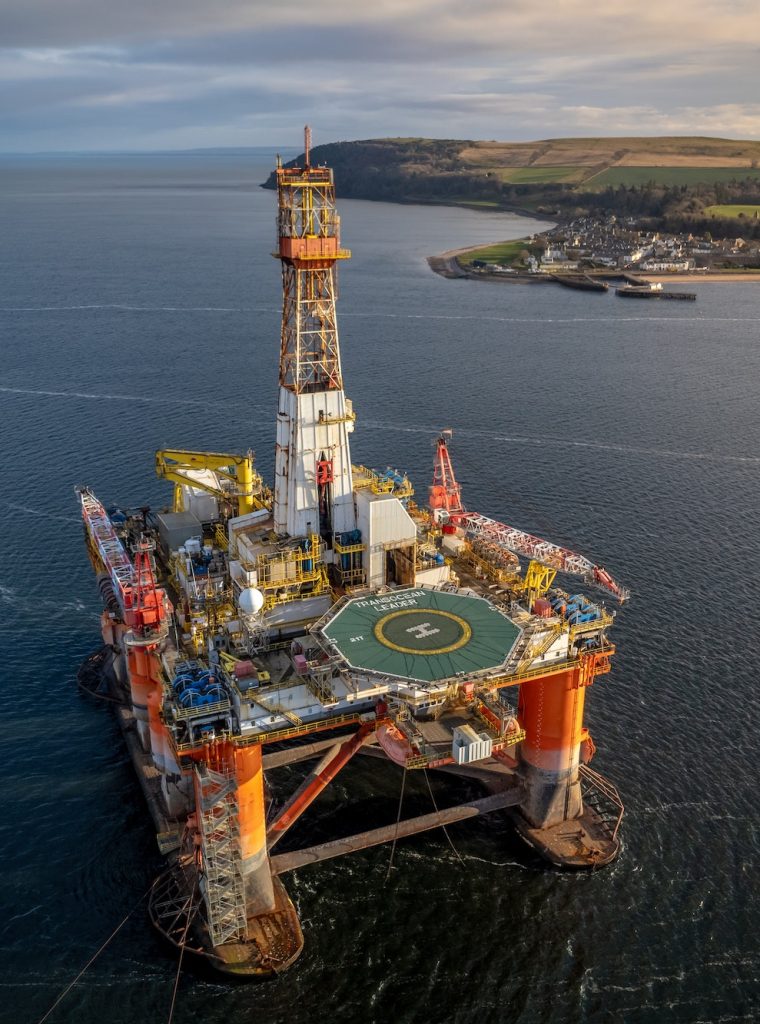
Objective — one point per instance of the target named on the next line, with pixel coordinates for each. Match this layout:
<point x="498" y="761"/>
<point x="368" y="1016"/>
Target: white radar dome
<point x="251" y="601"/>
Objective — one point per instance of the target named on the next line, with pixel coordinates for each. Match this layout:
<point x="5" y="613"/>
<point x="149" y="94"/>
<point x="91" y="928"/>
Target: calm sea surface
<point x="139" y="309"/>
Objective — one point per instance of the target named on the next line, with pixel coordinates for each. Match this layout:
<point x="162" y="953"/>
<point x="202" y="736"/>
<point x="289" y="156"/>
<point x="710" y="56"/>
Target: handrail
<point x="308" y="727"/>
<point x="607" y="790"/>
<point x="204" y="709"/>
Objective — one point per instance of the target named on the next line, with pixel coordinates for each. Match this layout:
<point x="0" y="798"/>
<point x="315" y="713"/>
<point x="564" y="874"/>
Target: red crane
<point x="144" y="606"/>
<point x="446" y="506"/>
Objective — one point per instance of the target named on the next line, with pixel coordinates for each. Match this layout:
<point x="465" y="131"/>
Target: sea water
<point x="140" y="309"/>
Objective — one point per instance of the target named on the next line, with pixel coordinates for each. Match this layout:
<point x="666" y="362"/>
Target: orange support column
<point x="140" y="685"/>
<point x="254" y="859"/>
<point x="159" y="734"/>
<point x="551" y="712"/>
<point x="176" y="790"/>
<point x="158" y="737"/>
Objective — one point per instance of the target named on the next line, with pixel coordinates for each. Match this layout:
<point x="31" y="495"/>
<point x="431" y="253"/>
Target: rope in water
<point x="181" y="953"/>
<point x="445" y="830"/>
<point x="94" y="957"/>
<point x="398" y="821"/>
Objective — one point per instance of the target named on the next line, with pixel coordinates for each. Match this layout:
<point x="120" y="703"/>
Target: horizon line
<point x="381" y="138"/>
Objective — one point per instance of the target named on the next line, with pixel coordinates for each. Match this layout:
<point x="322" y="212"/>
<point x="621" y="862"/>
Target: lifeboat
<point x="394" y="743"/>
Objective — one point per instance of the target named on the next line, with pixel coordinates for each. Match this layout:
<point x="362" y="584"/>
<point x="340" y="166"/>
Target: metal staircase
<point x="319" y="680"/>
<point x="223" y="888"/>
<point x="277" y="708"/>
<point x="518" y="652"/>
<point x="603" y="797"/>
<point x="537" y="646"/>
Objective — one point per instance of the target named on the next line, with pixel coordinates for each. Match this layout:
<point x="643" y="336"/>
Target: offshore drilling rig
<point x="335" y="611"/>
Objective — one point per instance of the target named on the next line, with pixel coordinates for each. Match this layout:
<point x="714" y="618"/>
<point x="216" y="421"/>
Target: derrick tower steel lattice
<point x="313" y="466"/>
<point x="308" y="227"/>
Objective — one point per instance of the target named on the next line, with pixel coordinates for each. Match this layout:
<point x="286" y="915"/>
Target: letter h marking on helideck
<point x="422" y="630"/>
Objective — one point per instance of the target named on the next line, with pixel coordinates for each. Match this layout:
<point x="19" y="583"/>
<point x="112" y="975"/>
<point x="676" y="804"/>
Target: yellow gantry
<point x="184" y="468"/>
<point x="538" y="579"/>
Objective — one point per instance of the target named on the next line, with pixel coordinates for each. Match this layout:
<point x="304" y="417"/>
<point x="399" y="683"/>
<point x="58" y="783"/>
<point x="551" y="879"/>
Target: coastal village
<point x="588" y="245"/>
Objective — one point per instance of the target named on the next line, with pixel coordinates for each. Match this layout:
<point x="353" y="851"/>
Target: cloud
<point x="99" y="73"/>
<point x="725" y="119"/>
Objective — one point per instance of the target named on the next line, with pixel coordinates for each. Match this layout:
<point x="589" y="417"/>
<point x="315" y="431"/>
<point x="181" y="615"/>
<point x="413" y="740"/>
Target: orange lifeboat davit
<point x="394" y="743"/>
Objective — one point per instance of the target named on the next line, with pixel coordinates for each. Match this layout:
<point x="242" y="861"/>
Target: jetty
<point x="649" y="290"/>
<point x="583" y="282"/>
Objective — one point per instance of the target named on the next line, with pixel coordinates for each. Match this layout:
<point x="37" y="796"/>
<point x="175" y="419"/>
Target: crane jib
<point x="446" y="505"/>
<point x="110" y="549"/>
<point x="543" y="551"/>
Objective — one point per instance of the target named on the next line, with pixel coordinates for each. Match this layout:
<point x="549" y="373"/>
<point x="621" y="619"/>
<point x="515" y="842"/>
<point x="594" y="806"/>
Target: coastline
<point x="446" y="264"/>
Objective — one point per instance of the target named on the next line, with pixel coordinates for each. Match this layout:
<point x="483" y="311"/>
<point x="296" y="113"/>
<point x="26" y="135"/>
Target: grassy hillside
<point x="668" y="181"/>
<point x="503" y="252"/>
<point x="615" y="176"/>
<point x="733" y="210"/>
<point x="670" y="160"/>
<point x="612" y="161"/>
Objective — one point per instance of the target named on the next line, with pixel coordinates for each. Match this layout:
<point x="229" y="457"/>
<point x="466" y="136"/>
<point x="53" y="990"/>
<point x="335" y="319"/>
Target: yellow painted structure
<point x="538" y="579"/>
<point x="179" y="467"/>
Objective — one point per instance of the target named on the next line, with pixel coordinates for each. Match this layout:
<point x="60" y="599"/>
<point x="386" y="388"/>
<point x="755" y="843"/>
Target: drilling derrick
<point x="313" y="484"/>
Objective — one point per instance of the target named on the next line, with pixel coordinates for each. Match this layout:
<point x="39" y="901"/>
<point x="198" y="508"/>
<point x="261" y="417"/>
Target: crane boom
<point x="223" y="474"/>
<point x="106" y="543"/>
<point x="539" y="550"/>
<point x="446" y="504"/>
<point x="143" y="605"/>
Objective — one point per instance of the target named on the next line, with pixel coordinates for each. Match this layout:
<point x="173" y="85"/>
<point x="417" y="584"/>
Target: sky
<point x="179" y="74"/>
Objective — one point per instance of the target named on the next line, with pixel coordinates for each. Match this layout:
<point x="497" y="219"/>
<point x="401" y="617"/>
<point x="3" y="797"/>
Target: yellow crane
<point x="226" y="476"/>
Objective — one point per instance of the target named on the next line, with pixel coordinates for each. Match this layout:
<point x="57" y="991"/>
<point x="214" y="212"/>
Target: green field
<point x="540" y="175"/>
<point x="503" y="252"/>
<point x="615" y="176"/>
<point x="733" y="210"/>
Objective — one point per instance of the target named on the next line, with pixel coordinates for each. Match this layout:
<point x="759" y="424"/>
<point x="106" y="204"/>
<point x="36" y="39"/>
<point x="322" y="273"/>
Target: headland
<point x="687" y="206"/>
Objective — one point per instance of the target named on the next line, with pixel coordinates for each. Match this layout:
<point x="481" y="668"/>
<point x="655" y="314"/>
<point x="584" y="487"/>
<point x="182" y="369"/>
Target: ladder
<point x="223" y="891"/>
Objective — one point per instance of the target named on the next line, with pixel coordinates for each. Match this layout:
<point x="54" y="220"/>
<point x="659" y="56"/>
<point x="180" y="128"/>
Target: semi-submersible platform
<point x="334" y="611"/>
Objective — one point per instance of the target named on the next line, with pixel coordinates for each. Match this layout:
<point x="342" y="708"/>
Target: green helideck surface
<point x="422" y="634"/>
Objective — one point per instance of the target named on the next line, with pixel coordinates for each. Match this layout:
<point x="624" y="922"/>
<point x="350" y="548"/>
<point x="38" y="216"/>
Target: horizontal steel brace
<point x="305" y="752"/>
<point x="363" y="840"/>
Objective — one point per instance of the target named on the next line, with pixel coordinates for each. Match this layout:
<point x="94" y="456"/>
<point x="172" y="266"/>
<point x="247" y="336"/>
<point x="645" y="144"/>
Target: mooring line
<point x="181" y="954"/>
<point x="445" y="830"/>
<point x="94" y="957"/>
<point x="398" y="822"/>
